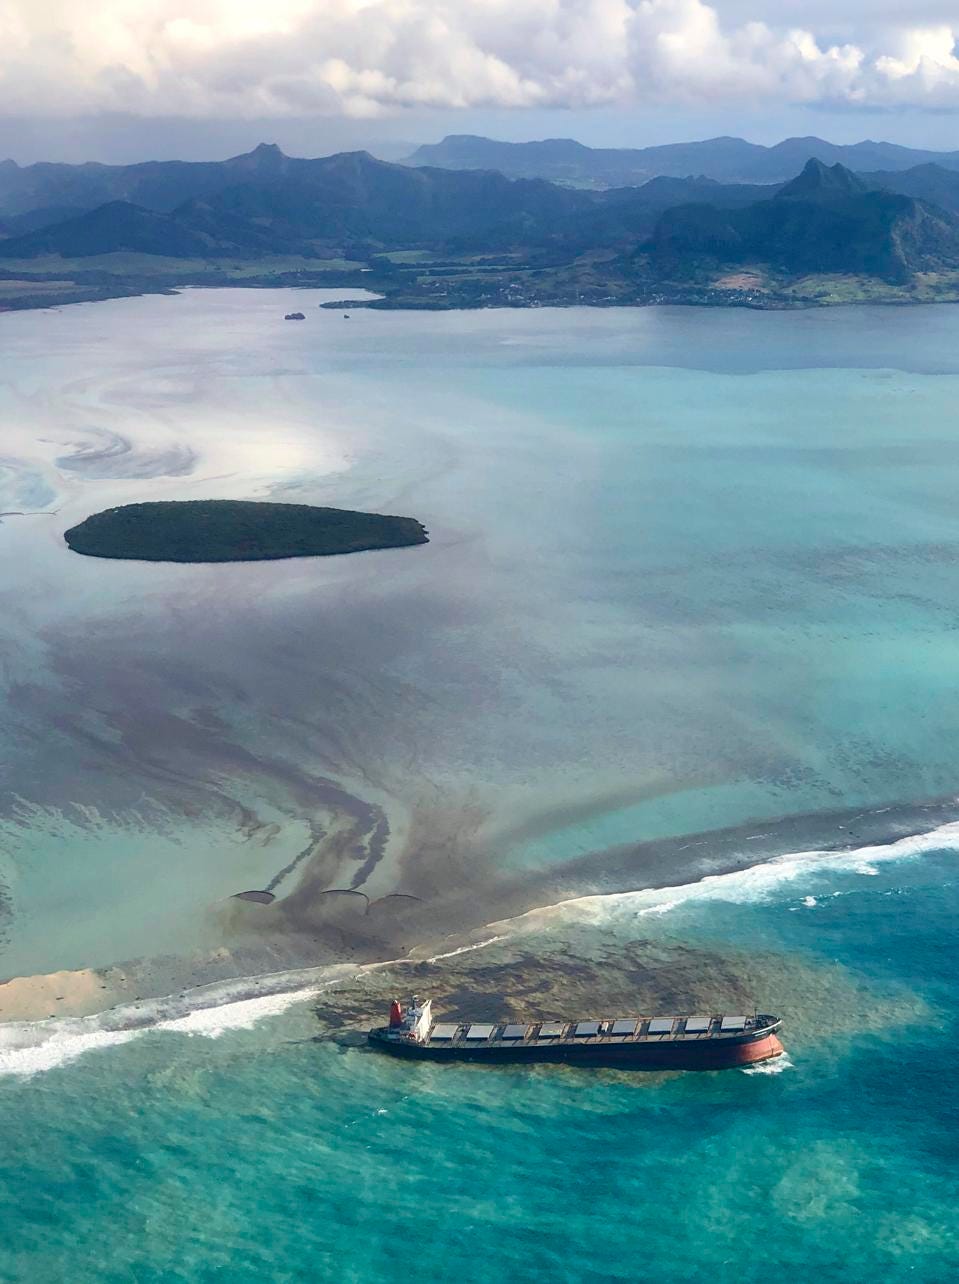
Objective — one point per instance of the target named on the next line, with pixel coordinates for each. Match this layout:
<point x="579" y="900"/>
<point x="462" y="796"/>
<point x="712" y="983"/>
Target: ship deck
<point x="596" y="1033"/>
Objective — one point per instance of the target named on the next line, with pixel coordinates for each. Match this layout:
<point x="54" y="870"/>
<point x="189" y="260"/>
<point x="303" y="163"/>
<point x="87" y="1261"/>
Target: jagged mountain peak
<point x="818" y="179"/>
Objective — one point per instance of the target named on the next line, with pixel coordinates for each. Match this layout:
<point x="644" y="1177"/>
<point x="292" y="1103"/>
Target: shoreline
<point x="694" y="297"/>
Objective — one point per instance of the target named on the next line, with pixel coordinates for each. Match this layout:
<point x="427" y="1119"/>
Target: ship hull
<point x="671" y="1054"/>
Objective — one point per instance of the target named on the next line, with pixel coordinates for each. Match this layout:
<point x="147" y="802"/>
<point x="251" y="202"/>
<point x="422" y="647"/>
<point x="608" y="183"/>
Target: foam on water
<point x="47" y="1050"/>
<point x="31" y="1047"/>
<point x="756" y="883"/>
<point x="211" y="1023"/>
<point x="776" y="1066"/>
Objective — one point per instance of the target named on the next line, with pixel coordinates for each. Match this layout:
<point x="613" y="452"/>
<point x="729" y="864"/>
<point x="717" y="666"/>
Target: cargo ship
<point x="698" y="1042"/>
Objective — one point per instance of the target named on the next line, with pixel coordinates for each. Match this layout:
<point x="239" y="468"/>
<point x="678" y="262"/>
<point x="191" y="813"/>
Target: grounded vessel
<point x="706" y="1042"/>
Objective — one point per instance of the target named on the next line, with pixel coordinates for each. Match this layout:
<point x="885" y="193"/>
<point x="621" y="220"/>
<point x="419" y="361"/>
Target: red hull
<point x="671" y="1054"/>
<point x="763" y="1050"/>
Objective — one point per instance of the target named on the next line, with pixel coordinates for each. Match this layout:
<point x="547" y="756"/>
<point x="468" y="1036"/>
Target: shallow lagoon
<point x="685" y="572"/>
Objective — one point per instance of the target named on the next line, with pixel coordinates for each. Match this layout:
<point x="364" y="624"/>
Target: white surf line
<point x="463" y="949"/>
<point x="753" y="883"/>
<point x="240" y="1015"/>
<point x="30" y="1047"/>
<point x="239" y="1003"/>
<point x="209" y="1011"/>
<point x="58" y="1048"/>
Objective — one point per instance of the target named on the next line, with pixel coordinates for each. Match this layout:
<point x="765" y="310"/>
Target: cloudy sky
<point x="115" y="79"/>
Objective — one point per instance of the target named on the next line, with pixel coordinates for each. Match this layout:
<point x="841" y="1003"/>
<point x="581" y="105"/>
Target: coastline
<point x="391" y="298"/>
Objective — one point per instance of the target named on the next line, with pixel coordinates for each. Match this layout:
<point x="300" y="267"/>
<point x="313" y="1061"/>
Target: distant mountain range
<point x="268" y="203"/>
<point x="155" y="185"/>
<point x="476" y="237"/>
<point x="727" y="160"/>
<point x="32" y="196"/>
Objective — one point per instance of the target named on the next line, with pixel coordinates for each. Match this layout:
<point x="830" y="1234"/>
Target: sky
<point x="128" y="79"/>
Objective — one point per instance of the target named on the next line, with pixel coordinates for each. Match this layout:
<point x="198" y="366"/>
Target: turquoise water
<point x="261" y="1154"/>
<point x="688" y="570"/>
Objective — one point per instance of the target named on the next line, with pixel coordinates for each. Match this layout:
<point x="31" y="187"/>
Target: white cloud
<point x="256" y="58"/>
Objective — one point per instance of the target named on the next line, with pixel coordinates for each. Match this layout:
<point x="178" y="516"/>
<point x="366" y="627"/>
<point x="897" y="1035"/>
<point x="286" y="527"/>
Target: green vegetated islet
<point x="227" y="530"/>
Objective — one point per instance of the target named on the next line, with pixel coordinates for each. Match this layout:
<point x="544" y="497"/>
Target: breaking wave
<point x="241" y="1015"/>
<point x="31" y="1047"/>
<point x="753" y="884"/>
<point x="34" y="1050"/>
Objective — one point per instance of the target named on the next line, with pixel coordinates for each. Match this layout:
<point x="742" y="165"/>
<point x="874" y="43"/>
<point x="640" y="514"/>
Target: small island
<point x="231" y="530"/>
